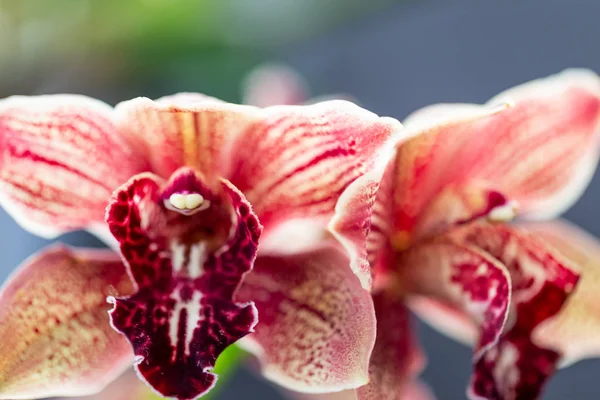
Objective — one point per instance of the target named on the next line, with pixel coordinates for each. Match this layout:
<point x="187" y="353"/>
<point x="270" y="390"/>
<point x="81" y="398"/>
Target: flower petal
<point x="56" y="336"/>
<point x="351" y="225"/>
<point x="189" y="129"/>
<point x="183" y="314"/>
<point x="461" y="276"/>
<point x="573" y="332"/>
<point x="317" y="325"/>
<point x="274" y="84"/>
<point x="540" y="153"/>
<point x="297" y="160"/>
<point x="361" y="220"/>
<point x="397" y="358"/>
<point x="58" y="157"/>
<point x="415" y="390"/>
<point x="541" y="282"/>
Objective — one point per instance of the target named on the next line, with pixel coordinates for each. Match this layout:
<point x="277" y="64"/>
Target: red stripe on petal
<point x="57" y="161"/>
<point x="296" y="161"/>
<point x="56" y="337"/>
<point x="190" y="129"/>
<point x="187" y="268"/>
<point x="539" y="153"/>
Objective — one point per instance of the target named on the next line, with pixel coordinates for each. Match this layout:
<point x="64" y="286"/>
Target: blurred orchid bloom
<point x="429" y="229"/>
<point x="273" y="83"/>
<point x="192" y="182"/>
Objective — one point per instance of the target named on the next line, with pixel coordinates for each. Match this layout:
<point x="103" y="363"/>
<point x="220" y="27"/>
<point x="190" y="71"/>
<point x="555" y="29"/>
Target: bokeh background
<point x="392" y="56"/>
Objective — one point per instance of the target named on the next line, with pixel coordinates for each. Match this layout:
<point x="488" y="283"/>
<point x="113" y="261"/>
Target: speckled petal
<point x="317" y="325"/>
<point x="573" y="332"/>
<point x="397" y="358"/>
<point x="54" y="325"/>
<point x="540" y="153"/>
<point x="542" y="280"/>
<point x="187" y="265"/>
<point x="297" y="160"/>
<point x="58" y="161"/>
<point x="461" y="276"/>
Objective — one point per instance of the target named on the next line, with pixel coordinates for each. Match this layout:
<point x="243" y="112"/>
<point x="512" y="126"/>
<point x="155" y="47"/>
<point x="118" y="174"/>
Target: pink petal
<point x="189" y="129"/>
<point x="317" y="325"/>
<point x="540" y="153"/>
<point x="397" y="359"/>
<point x="187" y="268"/>
<point x="58" y="158"/>
<point x="274" y="84"/>
<point x="351" y="225"/>
<point x="445" y="318"/>
<point x="516" y="367"/>
<point x="126" y="387"/>
<point x="56" y="337"/>
<point x="461" y="276"/>
<point x="573" y="332"/>
<point x="297" y="160"/>
<point x="414" y="390"/>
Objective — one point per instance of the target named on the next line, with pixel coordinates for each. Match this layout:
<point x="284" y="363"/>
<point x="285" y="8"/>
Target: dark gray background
<point x="411" y="55"/>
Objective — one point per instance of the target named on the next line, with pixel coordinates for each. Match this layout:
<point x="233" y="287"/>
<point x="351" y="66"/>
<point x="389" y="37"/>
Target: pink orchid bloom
<point x="429" y="230"/>
<point x="190" y="183"/>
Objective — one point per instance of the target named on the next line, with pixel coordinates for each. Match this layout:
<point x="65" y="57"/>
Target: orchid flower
<point x="193" y="185"/>
<point x="429" y="229"/>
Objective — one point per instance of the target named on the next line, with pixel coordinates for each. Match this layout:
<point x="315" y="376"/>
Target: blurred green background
<point x="116" y="49"/>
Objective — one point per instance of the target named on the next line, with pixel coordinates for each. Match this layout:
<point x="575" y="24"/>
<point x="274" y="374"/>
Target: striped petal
<point x="317" y="325"/>
<point x="58" y="158"/>
<point x="297" y="160"/>
<point x="574" y="331"/>
<point x="397" y="359"/>
<point x="54" y="325"/>
<point x="190" y="129"/>
<point x="187" y="247"/>
<point x="460" y="276"/>
<point x="539" y="153"/>
<point x="516" y="367"/>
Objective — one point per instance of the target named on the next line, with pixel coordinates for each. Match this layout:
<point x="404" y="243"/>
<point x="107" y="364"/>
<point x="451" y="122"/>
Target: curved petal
<point x="540" y="153"/>
<point x="317" y="325"/>
<point x="461" y="276"/>
<point x="573" y="332"/>
<point x="449" y="320"/>
<point x="54" y="325"/>
<point x="274" y="84"/>
<point x="297" y="160"/>
<point x="190" y="129"/>
<point x="186" y="272"/>
<point x="351" y="225"/>
<point x="542" y="280"/>
<point x="397" y="358"/>
<point x="361" y="222"/>
<point x="58" y="158"/>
